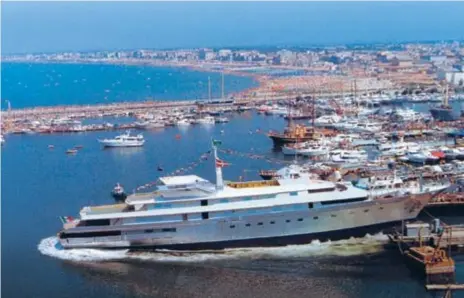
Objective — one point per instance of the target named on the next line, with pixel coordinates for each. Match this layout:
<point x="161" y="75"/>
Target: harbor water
<point x="29" y="85"/>
<point x="39" y="184"/>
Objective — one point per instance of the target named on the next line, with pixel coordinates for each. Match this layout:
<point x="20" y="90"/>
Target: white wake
<point x="351" y="247"/>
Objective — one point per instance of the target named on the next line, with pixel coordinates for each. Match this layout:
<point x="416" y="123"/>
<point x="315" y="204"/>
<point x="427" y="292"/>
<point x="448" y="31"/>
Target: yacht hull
<point x="270" y="229"/>
<point x="126" y="144"/>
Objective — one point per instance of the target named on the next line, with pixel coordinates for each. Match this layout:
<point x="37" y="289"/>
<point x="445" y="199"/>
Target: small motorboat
<point x="71" y="151"/>
<point x="118" y="193"/>
<point x="222" y="120"/>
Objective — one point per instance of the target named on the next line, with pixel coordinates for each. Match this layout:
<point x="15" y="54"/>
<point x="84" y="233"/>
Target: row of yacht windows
<point x="204" y="215"/>
<point x="163" y="205"/>
<point x="222" y="201"/>
<point x="272" y="222"/>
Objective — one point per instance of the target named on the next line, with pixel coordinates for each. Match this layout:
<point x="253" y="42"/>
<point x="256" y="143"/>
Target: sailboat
<point x="444" y="111"/>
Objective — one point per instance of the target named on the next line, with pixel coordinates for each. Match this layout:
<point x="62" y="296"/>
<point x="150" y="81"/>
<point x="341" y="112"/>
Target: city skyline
<point x="74" y="26"/>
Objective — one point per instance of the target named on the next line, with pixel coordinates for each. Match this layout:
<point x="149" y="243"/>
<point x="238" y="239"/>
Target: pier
<point x="427" y="250"/>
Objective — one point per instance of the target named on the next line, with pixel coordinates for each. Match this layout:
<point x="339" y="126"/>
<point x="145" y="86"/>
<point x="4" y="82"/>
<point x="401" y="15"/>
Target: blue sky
<point x="29" y="27"/>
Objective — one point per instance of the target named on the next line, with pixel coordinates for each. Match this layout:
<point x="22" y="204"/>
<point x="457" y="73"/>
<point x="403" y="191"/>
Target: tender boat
<point x="125" y="140"/>
<point x="118" y="193"/>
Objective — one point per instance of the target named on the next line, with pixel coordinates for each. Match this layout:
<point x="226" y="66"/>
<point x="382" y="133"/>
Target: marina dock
<point x="427" y="250"/>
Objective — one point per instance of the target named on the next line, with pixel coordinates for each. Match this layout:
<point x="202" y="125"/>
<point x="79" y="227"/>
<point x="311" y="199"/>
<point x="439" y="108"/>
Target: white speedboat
<point x="183" y="122"/>
<point x="421" y="156"/>
<point x="222" y="120"/>
<point x="381" y="186"/>
<point x="2" y="139"/>
<point x="277" y="110"/>
<point x="294" y="149"/>
<point x="367" y="127"/>
<point x="327" y="120"/>
<point x="150" y="124"/>
<point x="206" y="120"/>
<point x="398" y="149"/>
<point x="348" y="156"/>
<point x="125" y="140"/>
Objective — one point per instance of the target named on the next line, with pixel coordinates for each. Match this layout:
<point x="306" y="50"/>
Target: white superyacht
<point x="188" y="212"/>
<point x="124" y="140"/>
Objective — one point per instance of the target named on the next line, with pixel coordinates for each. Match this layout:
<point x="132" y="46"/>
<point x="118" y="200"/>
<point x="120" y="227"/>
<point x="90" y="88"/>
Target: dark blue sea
<point x="28" y="85"/>
<point x="40" y="184"/>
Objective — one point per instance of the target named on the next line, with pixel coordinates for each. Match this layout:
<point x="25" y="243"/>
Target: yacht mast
<point x="222" y="85"/>
<point x="446" y="99"/>
<point x="313" y="109"/>
<point x="209" y="88"/>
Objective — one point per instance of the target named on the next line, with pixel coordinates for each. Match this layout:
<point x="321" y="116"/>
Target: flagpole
<point x="219" y="180"/>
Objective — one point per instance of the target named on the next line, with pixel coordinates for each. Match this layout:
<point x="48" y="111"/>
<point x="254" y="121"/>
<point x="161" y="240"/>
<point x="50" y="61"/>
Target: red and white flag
<point x="221" y="163"/>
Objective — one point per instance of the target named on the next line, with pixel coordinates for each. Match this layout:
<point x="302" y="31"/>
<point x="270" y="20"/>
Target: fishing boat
<point x="124" y="140"/>
<point x="189" y="212"/>
<point x="71" y="151"/>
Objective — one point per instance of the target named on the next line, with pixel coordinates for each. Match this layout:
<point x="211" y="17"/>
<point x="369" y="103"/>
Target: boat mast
<point x="446" y="99"/>
<point x="222" y="85"/>
<point x="290" y="119"/>
<point x="209" y="88"/>
<point x="313" y="108"/>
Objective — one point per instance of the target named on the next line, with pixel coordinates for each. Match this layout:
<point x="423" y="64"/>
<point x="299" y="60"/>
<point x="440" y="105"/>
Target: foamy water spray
<point x="351" y="247"/>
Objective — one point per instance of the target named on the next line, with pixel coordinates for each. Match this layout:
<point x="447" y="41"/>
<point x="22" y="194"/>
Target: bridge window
<point x="293" y="193"/>
<point x="97" y="222"/>
<point x="91" y="234"/>
<point x="344" y="201"/>
<point x="321" y="190"/>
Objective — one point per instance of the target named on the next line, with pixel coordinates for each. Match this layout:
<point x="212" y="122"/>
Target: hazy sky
<point x="80" y="26"/>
